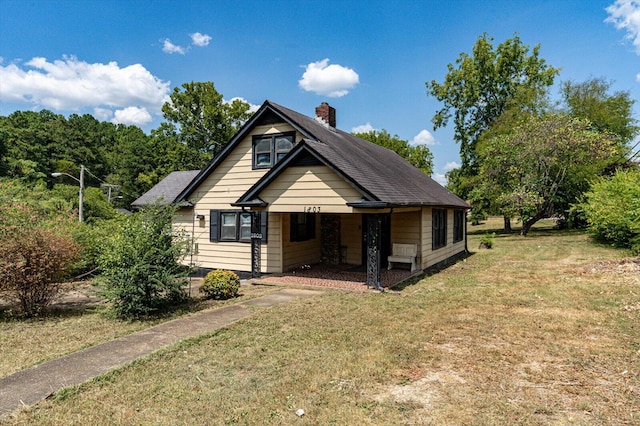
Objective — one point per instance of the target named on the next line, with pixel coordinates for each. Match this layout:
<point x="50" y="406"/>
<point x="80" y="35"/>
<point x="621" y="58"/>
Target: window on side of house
<point x="458" y="225"/>
<point x="302" y="227"/>
<point x="234" y="225"/>
<point x="269" y="149"/>
<point x="439" y="229"/>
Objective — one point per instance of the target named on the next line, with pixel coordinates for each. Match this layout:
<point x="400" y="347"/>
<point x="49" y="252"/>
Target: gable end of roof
<point x="269" y="113"/>
<point x="301" y="154"/>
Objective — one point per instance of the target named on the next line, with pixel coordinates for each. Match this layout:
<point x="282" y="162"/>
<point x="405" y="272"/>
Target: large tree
<point x="607" y="112"/>
<point x="418" y="155"/>
<point x="542" y="162"/>
<point x="205" y="121"/>
<point x="482" y="85"/>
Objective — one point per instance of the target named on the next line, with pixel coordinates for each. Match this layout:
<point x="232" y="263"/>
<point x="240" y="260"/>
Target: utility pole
<point x="81" y="193"/>
<point x="81" y="196"/>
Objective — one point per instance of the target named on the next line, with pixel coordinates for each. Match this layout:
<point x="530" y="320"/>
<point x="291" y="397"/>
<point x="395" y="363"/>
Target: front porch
<point x="344" y="277"/>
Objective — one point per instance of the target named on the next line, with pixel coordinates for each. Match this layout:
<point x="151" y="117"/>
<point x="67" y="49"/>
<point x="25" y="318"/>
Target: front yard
<point x="539" y="330"/>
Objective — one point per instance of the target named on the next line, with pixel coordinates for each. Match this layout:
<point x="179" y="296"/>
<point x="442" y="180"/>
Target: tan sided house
<point x="290" y="190"/>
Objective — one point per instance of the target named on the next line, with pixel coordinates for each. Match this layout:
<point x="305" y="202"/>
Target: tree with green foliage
<point x="205" y="121"/>
<point x="540" y="163"/>
<point x="56" y="205"/>
<point x="418" y="155"/>
<point x="611" y="113"/>
<point x="612" y="209"/>
<point x="140" y="264"/>
<point x="483" y="85"/>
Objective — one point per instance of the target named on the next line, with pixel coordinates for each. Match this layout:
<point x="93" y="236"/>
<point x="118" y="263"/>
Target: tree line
<point x="198" y="124"/>
<point x="523" y="155"/>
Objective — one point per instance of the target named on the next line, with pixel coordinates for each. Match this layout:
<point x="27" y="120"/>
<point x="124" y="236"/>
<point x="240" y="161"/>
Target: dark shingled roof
<point x="383" y="177"/>
<point x="167" y="190"/>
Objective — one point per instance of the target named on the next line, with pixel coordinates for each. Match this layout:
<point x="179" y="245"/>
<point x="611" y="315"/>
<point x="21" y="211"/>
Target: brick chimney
<point x="327" y="114"/>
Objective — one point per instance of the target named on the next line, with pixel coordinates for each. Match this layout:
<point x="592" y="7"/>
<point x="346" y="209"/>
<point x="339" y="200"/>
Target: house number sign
<point x="311" y="209"/>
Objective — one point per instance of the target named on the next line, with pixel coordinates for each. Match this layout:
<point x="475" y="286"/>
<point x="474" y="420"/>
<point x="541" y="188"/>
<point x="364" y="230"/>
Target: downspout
<point x="466" y="249"/>
<point x="193" y="233"/>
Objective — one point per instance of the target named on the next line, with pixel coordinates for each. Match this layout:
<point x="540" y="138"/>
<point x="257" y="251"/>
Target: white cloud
<point x="423" y="138"/>
<point x="170" y="48"/>
<point x="132" y="116"/>
<point x="440" y="178"/>
<point x="451" y="165"/>
<point x="625" y="15"/>
<point x="333" y="80"/>
<point x="198" y="39"/>
<point x="71" y="85"/>
<point x="102" y="114"/>
<point x="363" y="128"/>
<point x="252" y="107"/>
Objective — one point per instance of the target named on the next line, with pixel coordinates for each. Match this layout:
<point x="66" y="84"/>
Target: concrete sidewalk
<point x="34" y="384"/>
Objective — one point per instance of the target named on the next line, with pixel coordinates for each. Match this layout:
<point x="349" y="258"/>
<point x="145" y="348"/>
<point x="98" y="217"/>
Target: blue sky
<point x="118" y="60"/>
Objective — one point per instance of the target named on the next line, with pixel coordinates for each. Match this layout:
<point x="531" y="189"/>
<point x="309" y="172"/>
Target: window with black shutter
<point x="458" y="225"/>
<point x="234" y="225"/>
<point x="439" y="229"/>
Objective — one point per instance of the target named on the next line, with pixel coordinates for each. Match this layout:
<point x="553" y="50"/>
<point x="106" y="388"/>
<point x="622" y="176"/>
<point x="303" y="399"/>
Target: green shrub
<point x="221" y="284"/>
<point x="486" y="241"/>
<point x="612" y="209"/>
<point x="140" y="263"/>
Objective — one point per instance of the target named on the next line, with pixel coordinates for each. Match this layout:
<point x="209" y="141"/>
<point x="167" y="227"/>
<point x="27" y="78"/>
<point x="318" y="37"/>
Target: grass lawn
<point x="539" y="330"/>
<point x="77" y="322"/>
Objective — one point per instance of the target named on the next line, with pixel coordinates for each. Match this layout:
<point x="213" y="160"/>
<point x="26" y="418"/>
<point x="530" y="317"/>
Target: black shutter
<point x="264" y="218"/>
<point x="214" y="225"/>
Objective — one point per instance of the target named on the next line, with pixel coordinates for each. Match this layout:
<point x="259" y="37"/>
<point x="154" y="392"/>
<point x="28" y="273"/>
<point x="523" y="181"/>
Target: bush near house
<point x="221" y="284"/>
<point x="612" y="209"/>
<point x="141" y="273"/>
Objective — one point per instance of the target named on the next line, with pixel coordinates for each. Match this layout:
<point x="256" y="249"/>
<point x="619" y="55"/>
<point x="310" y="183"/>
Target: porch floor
<point x="346" y="277"/>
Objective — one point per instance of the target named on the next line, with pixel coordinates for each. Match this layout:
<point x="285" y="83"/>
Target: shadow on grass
<point x="11" y="313"/>
<point x="429" y="272"/>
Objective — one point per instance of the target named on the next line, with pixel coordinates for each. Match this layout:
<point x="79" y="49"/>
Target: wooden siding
<point x="406" y="229"/>
<point x="298" y="253"/>
<point x="351" y="237"/>
<point x="232" y="178"/>
<point x="311" y="186"/>
<point x="431" y="257"/>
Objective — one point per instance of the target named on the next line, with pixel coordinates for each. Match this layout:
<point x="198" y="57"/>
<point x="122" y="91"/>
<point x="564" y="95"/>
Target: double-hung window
<point x="439" y="229"/>
<point x="234" y="225"/>
<point x="269" y="149"/>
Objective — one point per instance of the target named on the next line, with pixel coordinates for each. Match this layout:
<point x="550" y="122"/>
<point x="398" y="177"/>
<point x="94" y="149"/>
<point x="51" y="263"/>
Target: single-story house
<point x="290" y="190"/>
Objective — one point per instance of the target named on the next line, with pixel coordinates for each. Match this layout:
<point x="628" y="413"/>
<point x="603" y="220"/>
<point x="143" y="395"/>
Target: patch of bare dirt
<point x="630" y="265"/>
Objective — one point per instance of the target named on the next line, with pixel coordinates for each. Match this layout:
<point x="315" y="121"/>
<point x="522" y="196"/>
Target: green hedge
<point x="612" y="209"/>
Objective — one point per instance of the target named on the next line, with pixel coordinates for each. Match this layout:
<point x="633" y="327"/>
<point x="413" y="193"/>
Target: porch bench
<point x="404" y="253"/>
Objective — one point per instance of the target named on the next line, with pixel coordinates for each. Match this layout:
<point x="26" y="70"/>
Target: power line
<point x="106" y="183"/>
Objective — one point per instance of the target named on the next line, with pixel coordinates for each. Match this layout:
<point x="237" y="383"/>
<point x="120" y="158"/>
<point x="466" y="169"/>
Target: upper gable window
<point x="269" y="149"/>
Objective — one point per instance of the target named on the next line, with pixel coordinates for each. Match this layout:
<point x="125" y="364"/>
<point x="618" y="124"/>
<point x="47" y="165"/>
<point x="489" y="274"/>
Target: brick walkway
<point x="341" y="277"/>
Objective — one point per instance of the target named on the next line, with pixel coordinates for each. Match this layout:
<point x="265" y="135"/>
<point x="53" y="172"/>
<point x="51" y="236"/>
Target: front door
<point x="385" y="239"/>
